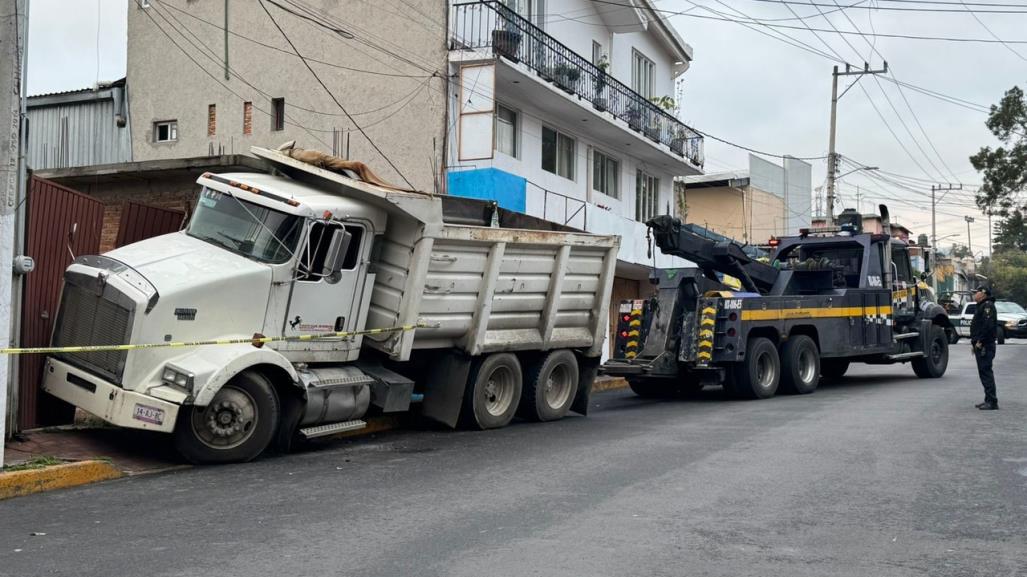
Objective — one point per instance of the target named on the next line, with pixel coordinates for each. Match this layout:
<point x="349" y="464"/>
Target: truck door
<point x="326" y="300"/>
<point x="904" y="300"/>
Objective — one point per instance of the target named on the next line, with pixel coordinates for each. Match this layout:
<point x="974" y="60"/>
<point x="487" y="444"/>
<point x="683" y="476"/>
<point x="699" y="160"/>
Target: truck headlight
<point x="177" y="377"/>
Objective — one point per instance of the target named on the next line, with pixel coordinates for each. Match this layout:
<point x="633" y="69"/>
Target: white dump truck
<point x="472" y="313"/>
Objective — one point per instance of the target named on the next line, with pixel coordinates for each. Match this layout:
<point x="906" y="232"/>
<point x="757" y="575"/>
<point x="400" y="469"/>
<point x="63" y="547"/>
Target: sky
<point x="749" y="89"/>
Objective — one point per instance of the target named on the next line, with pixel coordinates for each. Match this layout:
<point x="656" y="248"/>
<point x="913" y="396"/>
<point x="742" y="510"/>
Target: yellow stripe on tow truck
<point x="813" y="313"/>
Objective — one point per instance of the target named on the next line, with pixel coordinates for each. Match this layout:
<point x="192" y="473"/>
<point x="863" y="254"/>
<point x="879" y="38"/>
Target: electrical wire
<point x="330" y="94"/>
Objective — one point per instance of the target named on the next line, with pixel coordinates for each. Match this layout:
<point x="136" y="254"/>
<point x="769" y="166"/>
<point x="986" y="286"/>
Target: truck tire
<point x="833" y="368"/>
<point x="493" y="392"/>
<point x="550" y="387"/>
<point x="235" y="427"/>
<point x="1000" y="336"/>
<point x="800" y="365"/>
<point x="936" y="359"/>
<point x="758" y="376"/>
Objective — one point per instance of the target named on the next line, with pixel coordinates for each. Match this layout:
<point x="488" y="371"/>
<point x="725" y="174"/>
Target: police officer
<point x="982" y="343"/>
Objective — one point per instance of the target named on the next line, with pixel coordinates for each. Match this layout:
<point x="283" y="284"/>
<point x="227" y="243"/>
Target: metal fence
<point x="478" y="25"/>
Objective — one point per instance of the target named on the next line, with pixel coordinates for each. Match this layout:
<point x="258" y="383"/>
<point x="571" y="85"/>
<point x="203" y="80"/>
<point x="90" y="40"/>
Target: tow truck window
<point x="245" y="228"/>
<point x="901" y="260"/>
<point x="847" y="261"/>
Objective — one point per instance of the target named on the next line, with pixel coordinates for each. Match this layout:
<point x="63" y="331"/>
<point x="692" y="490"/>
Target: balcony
<point x="491" y="26"/>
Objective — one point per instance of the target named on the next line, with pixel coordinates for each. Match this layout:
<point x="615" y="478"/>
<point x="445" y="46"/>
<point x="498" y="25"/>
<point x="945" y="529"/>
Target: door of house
<point x="61" y="223"/>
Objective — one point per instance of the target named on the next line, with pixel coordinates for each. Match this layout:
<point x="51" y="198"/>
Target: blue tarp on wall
<point x="508" y="190"/>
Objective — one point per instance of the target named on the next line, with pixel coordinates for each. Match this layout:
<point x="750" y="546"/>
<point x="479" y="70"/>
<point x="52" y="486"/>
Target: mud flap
<point x="587" y="371"/>
<point x="444" y="388"/>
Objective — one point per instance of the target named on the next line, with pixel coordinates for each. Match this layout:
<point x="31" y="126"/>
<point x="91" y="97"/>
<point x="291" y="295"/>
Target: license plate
<point x="148" y="414"/>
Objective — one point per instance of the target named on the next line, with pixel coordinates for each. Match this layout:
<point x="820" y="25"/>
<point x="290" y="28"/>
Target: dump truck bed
<point x="482" y="278"/>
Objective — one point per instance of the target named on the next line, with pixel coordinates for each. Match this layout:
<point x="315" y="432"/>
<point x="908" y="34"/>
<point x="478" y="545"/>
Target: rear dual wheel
<point x="497" y="390"/>
<point x="759" y="374"/>
<point x="800" y="365"/>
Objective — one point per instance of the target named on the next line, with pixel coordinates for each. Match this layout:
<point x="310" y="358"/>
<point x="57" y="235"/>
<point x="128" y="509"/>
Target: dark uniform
<point x="982" y="340"/>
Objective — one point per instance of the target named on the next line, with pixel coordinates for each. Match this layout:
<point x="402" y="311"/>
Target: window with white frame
<point x="642" y="74"/>
<point x="647" y="196"/>
<point x="558" y="152"/>
<point x="165" y="131"/>
<point x="506" y="130"/>
<point x="597" y="53"/>
<point x="605" y="174"/>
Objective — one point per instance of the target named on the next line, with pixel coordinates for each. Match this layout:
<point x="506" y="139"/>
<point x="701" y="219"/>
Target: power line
<point x="995" y="36"/>
<point x="332" y="96"/>
<point x="859" y="5"/>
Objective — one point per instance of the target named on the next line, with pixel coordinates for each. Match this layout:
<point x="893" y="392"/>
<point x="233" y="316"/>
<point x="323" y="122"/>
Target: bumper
<point x="109" y="402"/>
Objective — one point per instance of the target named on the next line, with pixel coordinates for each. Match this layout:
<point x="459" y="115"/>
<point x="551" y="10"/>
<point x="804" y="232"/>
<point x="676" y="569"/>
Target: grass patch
<point x="37" y="463"/>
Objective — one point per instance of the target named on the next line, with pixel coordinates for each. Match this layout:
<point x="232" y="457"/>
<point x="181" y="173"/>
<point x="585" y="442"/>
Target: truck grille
<point x="88" y="319"/>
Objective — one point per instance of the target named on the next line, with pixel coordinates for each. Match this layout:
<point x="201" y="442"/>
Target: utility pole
<point x="832" y="157"/>
<point x="970" y="245"/>
<point x="991" y="234"/>
<point x="935" y="188"/>
<point x="13" y="26"/>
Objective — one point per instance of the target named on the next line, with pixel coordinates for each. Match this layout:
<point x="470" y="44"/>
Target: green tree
<point x="1004" y="169"/>
<point x="960" y="251"/>
<point x="1007" y="274"/>
<point x="1011" y="232"/>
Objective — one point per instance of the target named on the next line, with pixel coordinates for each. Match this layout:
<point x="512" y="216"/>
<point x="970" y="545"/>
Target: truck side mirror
<point x="337" y="251"/>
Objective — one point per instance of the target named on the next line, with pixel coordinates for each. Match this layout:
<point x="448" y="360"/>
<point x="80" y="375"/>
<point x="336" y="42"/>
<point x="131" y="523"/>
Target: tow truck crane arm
<point x="725" y="257"/>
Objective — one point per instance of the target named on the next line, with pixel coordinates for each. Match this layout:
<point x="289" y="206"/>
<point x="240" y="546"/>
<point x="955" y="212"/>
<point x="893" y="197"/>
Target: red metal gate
<point x="141" y="221"/>
<point x="53" y="212"/>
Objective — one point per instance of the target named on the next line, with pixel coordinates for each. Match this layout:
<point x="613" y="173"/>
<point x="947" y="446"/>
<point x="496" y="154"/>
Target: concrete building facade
<point x="215" y="78"/>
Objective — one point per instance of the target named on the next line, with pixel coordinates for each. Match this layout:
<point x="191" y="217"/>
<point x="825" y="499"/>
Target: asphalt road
<point x="879" y="474"/>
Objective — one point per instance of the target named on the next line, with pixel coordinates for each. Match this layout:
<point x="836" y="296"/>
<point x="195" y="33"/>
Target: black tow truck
<point x="822" y="301"/>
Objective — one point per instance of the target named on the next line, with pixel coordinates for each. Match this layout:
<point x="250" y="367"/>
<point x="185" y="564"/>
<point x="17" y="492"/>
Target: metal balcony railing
<point x="478" y="25"/>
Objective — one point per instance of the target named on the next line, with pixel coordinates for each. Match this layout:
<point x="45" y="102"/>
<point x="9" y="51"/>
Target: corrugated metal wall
<point x="140" y="222"/>
<point x="76" y="134"/>
<point x="52" y="209"/>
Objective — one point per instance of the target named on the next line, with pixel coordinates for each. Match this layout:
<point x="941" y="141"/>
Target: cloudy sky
<point x="749" y="88"/>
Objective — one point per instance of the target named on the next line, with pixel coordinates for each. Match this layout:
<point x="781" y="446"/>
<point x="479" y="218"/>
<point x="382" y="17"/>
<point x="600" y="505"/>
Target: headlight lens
<point x="1011" y="324"/>
<point x="177" y="377"/>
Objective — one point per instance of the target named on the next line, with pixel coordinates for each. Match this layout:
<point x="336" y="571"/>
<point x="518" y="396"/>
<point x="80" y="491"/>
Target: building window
<point x="247" y="118"/>
<point x="557" y="153"/>
<point x="506" y="130"/>
<point x="642" y="74"/>
<point x="165" y="131"/>
<point x="212" y="120"/>
<point x="605" y="174"/>
<point x="277" y="114"/>
<point x="647" y="196"/>
<point x="597" y="53"/>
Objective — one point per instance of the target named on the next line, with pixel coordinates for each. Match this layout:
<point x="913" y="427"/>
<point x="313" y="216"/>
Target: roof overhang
<point x="680" y="51"/>
<point x="150" y="169"/>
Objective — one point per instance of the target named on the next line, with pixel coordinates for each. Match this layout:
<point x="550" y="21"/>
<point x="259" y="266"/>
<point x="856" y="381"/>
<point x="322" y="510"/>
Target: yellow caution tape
<point x="257" y="340"/>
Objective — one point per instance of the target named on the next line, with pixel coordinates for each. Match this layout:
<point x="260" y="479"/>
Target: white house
<point x="555" y="111"/>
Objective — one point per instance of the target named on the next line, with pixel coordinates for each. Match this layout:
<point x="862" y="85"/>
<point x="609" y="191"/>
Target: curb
<point x="18" y="483"/>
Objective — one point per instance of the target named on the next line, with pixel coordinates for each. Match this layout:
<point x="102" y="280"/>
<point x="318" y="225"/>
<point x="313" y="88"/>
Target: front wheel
<point x="936" y="358"/>
<point x="758" y="376"/>
<point x="236" y="426"/>
<point x="1000" y="336"/>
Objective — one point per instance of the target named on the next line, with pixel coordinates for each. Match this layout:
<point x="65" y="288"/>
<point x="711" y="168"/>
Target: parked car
<point x="1012" y="321"/>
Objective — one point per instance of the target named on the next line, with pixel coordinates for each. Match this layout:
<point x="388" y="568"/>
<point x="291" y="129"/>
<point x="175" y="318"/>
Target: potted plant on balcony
<point x="633" y="116"/>
<point x="566" y="76"/>
<point x="506" y="43"/>
<point x="654" y="128"/>
<point x="678" y="138"/>
<point x="599" y="84"/>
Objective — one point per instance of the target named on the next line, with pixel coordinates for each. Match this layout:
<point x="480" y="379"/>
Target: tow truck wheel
<point x="758" y="376"/>
<point x="936" y="358"/>
<point x="235" y="426"/>
<point x="800" y="365"/>
<point x="550" y="388"/>
<point x="491" y="396"/>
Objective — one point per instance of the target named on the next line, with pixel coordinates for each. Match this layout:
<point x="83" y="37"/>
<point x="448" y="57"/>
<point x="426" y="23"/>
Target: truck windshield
<point x="1009" y="308"/>
<point x="245" y="228"/>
